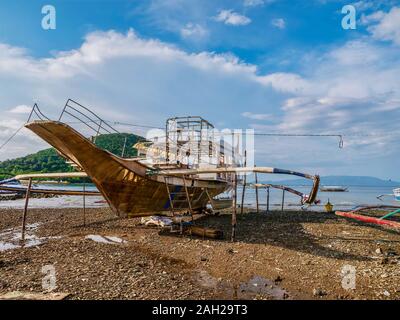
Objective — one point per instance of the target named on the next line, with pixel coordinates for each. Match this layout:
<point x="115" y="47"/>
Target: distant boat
<point x="333" y="189"/>
<point x="396" y="193"/>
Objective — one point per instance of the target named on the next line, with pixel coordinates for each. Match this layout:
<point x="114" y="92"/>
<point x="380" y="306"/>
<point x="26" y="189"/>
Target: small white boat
<point x="333" y="189"/>
<point x="396" y="193"/>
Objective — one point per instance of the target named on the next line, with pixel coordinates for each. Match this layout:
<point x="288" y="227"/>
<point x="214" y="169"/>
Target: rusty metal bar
<point x="283" y="199"/>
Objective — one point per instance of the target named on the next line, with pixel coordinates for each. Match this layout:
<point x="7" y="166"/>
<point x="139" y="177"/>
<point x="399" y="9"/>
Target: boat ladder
<point x="176" y="198"/>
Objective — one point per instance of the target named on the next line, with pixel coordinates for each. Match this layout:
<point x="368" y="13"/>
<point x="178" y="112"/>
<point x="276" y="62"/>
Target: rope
<point x="11" y="137"/>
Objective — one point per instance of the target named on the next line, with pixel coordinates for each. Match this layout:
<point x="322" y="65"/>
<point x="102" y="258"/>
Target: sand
<point x="280" y="255"/>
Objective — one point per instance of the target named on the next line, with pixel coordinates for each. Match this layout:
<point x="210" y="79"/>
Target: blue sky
<point x="272" y="65"/>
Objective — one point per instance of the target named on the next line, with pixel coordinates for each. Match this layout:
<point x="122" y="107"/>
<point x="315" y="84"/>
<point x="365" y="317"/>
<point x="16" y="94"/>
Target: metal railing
<point x="36" y="111"/>
<point x="76" y="110"/>
<point x="85" y="116"/>
<point x="90" y="120"/>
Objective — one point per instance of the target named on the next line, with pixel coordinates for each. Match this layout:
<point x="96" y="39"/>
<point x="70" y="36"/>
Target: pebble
<point x="318" y="292"/>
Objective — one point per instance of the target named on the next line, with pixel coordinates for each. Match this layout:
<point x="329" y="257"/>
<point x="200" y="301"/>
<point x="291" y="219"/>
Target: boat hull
<point x="123" y="182"/>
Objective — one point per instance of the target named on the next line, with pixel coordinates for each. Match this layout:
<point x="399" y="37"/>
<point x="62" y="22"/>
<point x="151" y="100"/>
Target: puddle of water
<point x="261" y="286"/>
<point x="257" y="286"/>
<point x="10" y="238"/>
<point x="105" y="239"/>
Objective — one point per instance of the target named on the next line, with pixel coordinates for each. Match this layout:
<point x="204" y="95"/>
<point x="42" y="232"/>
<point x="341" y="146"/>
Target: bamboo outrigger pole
<point x="268" y="170"/>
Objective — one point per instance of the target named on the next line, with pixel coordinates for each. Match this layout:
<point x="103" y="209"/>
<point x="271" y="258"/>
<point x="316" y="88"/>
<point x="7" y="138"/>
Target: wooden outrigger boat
<point x="355" y="213"/>
<point x="175" y="180"/>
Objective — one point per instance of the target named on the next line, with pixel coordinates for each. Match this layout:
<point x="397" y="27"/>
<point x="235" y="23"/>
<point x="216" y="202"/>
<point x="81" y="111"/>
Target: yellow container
<point x="328" y="206"/>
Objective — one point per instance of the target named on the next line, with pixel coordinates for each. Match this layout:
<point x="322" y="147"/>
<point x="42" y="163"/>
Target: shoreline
<point x="292" y="255"/>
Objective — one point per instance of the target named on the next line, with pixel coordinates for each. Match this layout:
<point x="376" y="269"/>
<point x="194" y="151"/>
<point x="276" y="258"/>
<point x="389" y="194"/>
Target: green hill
<point x="48" y="160"/>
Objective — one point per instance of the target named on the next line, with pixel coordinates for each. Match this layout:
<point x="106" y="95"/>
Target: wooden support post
<point x="267" y="199"/>
<point x="244" y="183"/>
<point x="188" y="198"/>
<point x="171" y="205"/>
<point x="258" y="211"/>
<point x="84" y="204"/>
<point x="28" y="190"/>
<point x="283" y="199"/>
<point x="233" y="235"/>
<point x="210" y="198"/>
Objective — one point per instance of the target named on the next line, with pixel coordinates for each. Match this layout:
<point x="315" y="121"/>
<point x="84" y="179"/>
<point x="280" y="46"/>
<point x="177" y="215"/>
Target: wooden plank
<point x="21" y="295"/>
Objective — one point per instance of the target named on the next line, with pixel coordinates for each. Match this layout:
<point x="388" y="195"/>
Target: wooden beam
<point x="25" y="210"/>
<point x="171" y="205"/>
<point x="51" y="175"/>
<point x="244" y="183"/>
<point x="188" y="198"/>
<point x="234" y="222"/>
<point x="84" y="204"/>
<point x="256" y="180"/>
<point x="50" y="191"/>
<point x="270" y="170"/>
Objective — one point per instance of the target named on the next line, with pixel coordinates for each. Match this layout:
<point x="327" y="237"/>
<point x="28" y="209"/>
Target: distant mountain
<point x="49" y="160"/>
<point x="347" y="181"/>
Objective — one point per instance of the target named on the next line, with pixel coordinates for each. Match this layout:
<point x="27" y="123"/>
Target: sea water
<point x="355" y="196"/>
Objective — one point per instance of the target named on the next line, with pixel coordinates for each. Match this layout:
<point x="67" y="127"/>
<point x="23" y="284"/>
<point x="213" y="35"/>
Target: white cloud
<point x="258" y="116"/>
<point x="285" y="82"/>
<point x="232" y="18"/>
<point x="193" y="30"/>
<point x="22" y="109"/>
<point x="124" y="78"/>
<point x="370" y="18"/>
<point x="279" y="23"/>
<point x="353" y="88"/>
<point x="363" y="5"/>
<point x="356" y="53"/>
<point x="388" y="27"/>
<point x="256" y="3"/>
